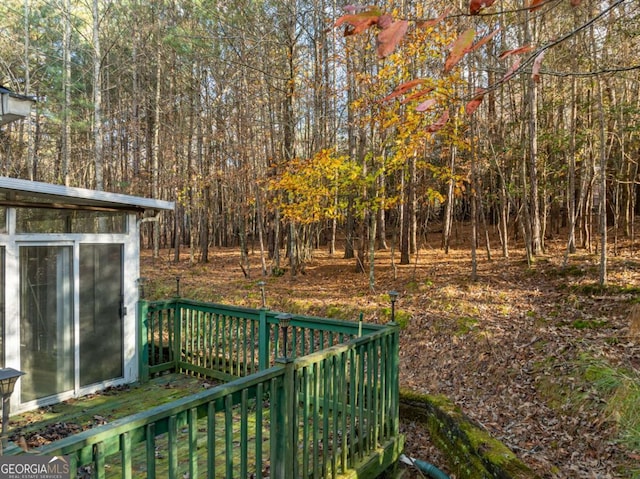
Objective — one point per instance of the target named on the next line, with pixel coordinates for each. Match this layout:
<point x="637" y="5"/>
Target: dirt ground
<point x="510" y="348"/>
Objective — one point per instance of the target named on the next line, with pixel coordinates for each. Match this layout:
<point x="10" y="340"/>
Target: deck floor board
<point x="106" y="406"/>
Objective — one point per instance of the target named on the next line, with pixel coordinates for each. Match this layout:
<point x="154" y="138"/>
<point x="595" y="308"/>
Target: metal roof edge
<point x="5" y="91"/>
<point x="83" y="193"/>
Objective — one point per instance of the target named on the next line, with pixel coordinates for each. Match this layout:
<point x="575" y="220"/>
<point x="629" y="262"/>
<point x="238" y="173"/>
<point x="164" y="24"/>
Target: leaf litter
<point x="507" y="348"/>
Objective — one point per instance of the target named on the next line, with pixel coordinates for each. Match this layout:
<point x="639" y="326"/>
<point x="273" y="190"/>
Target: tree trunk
<point x="372" y="250"/>
<point x="155" y="168"/>
<point x="66" y="87"/>
<point x="413" y="201"/>
<point x="405" y="237"/>
<point x="473" y="199"/>
<point x="97" y="100"/>
<point x="381" y="217"/>
<point x="571" y="183"/>
<point x="448" y="212"/>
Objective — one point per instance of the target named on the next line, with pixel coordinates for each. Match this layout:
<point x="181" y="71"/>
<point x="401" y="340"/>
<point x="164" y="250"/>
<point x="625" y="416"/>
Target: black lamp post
<point x="8" y="379"/>
<point x="178" y="286"/>
<point x="261" y="284"/>
<point x="394" y="296"/>
<point x="283" y="321"/>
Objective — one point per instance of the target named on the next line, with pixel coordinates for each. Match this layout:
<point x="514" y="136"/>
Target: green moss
<point x="495" y="451"/>
<point x="470" y="450"/>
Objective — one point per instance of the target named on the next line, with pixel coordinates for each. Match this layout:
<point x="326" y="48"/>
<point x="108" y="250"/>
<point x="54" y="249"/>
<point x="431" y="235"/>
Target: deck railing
<point x="225" y="342"/>
<point x="326" y="407"/>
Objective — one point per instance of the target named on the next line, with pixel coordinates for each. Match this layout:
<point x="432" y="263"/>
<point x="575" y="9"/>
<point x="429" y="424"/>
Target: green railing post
<point x="283" y="450"/>
<point x="263" y="341"/>
<point x="143" y="341"/>
<point x="177" y="335"/>
<point x="395" y="381"/>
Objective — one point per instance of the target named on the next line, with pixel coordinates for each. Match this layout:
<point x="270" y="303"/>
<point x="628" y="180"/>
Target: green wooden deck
<point x="41" y="426"/>
<point x="326" y="406"/>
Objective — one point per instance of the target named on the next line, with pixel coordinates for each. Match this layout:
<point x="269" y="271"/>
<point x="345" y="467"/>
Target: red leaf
<point x="390" y="37"/>
<point x="535" y="4"/>
<point x="440" y="122"/>
<point x="425" y="105"/>
<point x="402" y="88"/>
<point x="512" y="70"/>
<point x="515" y="51"/>
<point x="535" y="70"/>
<point x="432" y="22"/>
<point x="475" y="102"/>
<point x="359" y="22"/>
<point x="575" y="3"/>
<point x="460" y="47"/>
<point x="416" y="95"/>
<point x="385" y="21"/>
<point x="484" y="40"/>
<point x="476" y="5"/>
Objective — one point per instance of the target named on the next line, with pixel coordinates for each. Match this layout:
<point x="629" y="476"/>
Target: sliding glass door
<point x="48" y="346"/>
<point x="101" y="313"/>
<point x="46" y="321"/>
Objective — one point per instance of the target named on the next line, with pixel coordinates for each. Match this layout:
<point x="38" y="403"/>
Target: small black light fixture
<point x="8" y="379"/>
<point x="14" y="106"/>
<point x="284" y="319"/>
<point x="262" y="284"/>
<point x="393" y="294"/>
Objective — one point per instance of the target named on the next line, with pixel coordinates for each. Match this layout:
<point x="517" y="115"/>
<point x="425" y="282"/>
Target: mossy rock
<point x="471" y="452"/>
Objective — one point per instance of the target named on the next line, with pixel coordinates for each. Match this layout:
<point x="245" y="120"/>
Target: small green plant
<point x="402" y="317"/>
<point x="336" y="312"/>
<point x="412" y="286"/>
<point x="276" y="272"/>
<point x="589" y="289"/>
<point x="465" y="324"/>
<point x="568" y="271"/>
<point x="631" y="290"/>
<point x="589" y="324"/>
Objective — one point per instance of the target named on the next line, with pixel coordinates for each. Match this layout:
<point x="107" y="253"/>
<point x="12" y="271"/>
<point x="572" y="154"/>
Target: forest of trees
<point x="275" y="131"/>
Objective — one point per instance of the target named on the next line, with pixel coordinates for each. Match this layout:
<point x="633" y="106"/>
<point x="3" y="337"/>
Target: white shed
<point x="69" y="262"/>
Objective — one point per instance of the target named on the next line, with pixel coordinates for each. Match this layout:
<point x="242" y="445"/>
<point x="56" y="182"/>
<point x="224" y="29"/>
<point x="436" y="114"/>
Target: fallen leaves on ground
<point x="505" y="347"/>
